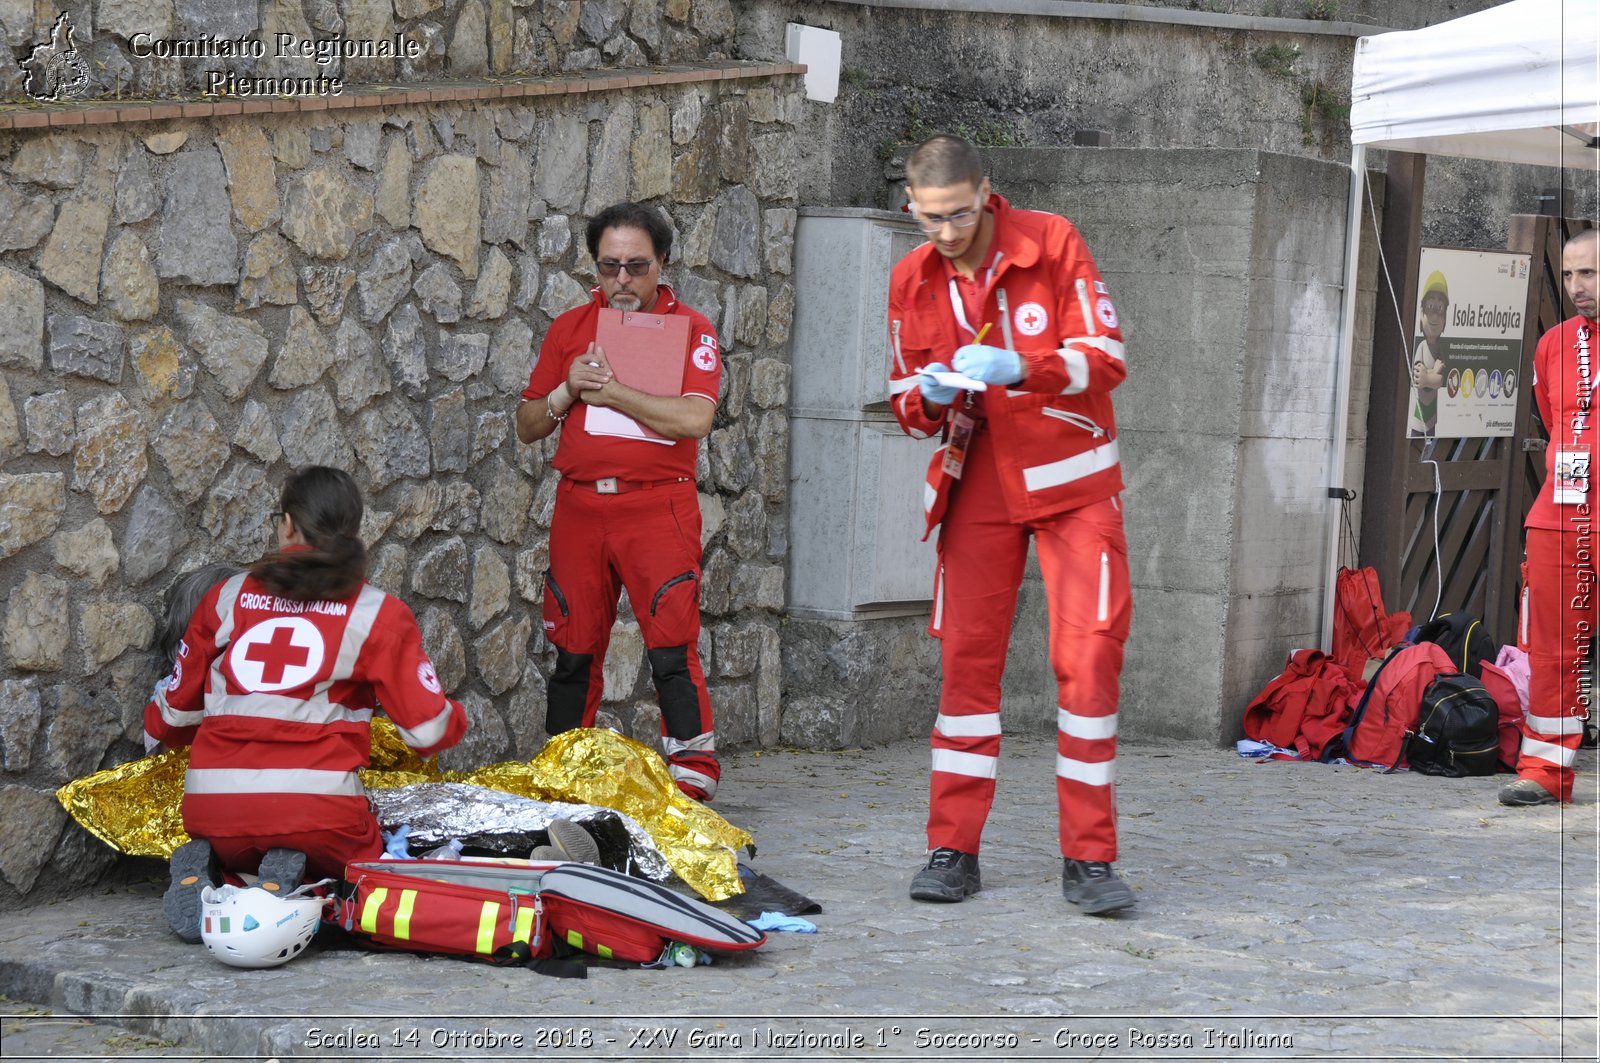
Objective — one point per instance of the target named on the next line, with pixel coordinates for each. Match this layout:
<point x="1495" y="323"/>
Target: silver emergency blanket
<point x="493" y="819"/>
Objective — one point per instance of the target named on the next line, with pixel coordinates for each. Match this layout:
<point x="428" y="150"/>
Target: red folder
<point x="647" y="353"/>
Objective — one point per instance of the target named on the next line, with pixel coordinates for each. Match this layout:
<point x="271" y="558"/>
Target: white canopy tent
<point x="1516" y="83"/>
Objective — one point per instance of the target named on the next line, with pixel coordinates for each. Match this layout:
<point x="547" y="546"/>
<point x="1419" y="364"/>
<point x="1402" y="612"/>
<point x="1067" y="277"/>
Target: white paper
<point x="604" y="421"/>
<point x="956" y="380"/>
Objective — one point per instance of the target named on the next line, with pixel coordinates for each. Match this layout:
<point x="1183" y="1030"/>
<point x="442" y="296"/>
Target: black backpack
<point x="1463" y="637"/>
<point x="1458" y="729"/>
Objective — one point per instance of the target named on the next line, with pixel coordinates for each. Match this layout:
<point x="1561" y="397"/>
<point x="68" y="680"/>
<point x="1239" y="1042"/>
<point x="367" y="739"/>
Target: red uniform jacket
<point x="582" y="456"/>
<point x="276" y="698"/>
<point x="1565" y="365"/>
<point x="1055" y="433"/>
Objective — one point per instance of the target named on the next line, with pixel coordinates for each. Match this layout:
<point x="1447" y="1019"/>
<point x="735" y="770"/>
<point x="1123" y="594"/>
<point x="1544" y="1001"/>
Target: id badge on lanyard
<point x="1572" y="476"/>
<point x="955" y="453"/>
<point x="1571" y="485"/>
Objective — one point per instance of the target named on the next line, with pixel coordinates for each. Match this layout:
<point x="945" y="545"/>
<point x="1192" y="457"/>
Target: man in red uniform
<point x="1561" y="603"/>
<point x="627" y="511"/>
<point x="1032" y="452"/>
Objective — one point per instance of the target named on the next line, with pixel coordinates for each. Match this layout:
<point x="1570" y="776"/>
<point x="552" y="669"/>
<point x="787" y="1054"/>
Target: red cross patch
<point x="705" y="359"/>
<point x="1031" y="319"/>
<point x="428" y="677"/>
<point x="277" y="654"/>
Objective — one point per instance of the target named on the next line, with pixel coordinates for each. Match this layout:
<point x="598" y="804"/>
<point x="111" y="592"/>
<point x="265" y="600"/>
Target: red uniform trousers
<point x="648" y="541"/>
<point x="1083" y="558"/>
<point x="1560" y="617"/>
<point x="327" y="851"/>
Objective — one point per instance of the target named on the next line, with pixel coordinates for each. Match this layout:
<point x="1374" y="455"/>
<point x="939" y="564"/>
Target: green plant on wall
<point x="1320" y="103"/>
<point x="1278" y="59"/>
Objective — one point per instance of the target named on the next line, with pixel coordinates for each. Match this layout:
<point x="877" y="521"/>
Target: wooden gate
<point x="1442" y="519"/>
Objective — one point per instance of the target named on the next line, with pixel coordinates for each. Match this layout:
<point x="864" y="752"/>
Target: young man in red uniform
<point x="1034" y="453"/>
<point x="273" y="686"/>
<point x="627" y="511"/>
<point x="1561" y="588"/>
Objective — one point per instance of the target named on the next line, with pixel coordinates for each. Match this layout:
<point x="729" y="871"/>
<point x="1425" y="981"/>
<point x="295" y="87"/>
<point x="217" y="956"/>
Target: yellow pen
<point x="984" y="331"/>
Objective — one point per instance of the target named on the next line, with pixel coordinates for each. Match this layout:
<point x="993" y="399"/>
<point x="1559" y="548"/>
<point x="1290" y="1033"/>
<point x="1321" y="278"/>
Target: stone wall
<point x="438" y="39"/>
<point x="195" y="308"/>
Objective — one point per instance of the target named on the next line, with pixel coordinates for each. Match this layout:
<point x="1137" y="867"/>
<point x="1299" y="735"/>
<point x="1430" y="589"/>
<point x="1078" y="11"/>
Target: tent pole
<point x="1344" y="345"/>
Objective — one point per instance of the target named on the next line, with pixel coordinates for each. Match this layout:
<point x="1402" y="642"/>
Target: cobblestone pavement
<point x="1285" y="910"/>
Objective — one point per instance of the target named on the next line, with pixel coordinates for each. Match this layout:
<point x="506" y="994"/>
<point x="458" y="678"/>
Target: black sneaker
<point x="282" y="871"/>
<point x="950" y="876"/>
<point x="194" y="867"/>
<point x="1094" y="887"/>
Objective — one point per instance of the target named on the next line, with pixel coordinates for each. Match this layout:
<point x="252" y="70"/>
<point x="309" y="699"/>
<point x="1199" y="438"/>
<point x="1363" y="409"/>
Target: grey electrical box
<point x="856" y="480"/>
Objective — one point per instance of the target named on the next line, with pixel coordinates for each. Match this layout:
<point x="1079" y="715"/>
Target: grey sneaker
<point x="950" y="876"/>
<point x="1094" y="887"/>
<point x="546" y="854"/>
<point x="282" y="871"/>
<point x="1525" y="792"/>
<point x="194" y="867"/>
<point x="573" y="841"/>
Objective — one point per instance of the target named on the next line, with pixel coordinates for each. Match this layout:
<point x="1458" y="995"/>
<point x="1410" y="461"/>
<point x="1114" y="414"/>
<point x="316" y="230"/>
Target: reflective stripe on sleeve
<point x="428" y="733"/>
<point x="1077" y="364"/>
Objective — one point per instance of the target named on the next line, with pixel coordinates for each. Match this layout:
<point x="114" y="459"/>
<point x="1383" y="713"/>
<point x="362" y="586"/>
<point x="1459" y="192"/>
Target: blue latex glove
<point x="937" y="393"/>
<point x="394" y="843"/>
<point x="992" y="365"/>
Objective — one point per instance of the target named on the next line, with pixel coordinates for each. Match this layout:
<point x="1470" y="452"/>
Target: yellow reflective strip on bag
<point x="369" y="910"/>
<point x="604" y="952"/>
<point x="486" y="921"/>
<point x="575" y="939"/>
<point x="524" y="930"/>
<point x="402" y="915"/>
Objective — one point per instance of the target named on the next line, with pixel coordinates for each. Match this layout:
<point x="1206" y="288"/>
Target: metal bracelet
<point x="549" y="407"/>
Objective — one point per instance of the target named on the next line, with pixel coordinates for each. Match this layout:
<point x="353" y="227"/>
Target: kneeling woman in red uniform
<point x="274" y="686"/>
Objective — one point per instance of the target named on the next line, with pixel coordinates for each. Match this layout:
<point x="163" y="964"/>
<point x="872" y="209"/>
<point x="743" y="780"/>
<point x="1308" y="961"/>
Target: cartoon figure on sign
<point x="56" y="70"/>
<point x="1428" y="368"/>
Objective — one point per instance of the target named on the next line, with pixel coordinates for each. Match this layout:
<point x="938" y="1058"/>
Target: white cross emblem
<point x="277" y="654"/>
<point x="1031" y="319"/>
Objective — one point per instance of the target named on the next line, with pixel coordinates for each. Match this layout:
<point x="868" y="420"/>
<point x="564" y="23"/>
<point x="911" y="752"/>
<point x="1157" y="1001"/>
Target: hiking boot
<point x="282" y="871"/>
<point x="1525" y="792"/>
<point x="950" y="876"/>
<point x="194" y="868"/>
<point x="573" y="842"/>
<point x="1094" y="887"/>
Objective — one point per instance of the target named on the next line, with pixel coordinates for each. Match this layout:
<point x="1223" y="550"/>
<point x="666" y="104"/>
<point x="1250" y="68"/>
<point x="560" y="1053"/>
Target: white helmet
<point x="253" y="928"/>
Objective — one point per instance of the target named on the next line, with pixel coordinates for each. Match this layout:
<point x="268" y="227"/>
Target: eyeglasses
<point x="610" y="267"/>
<point x="961" y="219"/>
<point x="276" y="518"/>
<point x="1433" y="309"/>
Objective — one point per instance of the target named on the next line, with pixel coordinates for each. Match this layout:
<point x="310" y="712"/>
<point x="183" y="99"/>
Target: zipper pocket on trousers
<point x="1076" y="419"/>
<point x="1103" y="608"/>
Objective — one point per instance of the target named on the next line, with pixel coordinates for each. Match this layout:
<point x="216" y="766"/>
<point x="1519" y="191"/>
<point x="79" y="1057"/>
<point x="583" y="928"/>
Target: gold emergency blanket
<point x="134" y="807"/>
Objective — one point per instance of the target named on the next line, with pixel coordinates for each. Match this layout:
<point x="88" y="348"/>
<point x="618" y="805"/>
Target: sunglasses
<point x="610" y="267"/>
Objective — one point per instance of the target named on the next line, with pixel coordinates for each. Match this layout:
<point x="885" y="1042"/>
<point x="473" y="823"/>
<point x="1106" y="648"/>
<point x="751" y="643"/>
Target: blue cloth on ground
<point x="394" y="842"/>
<point x="778" y="921"/>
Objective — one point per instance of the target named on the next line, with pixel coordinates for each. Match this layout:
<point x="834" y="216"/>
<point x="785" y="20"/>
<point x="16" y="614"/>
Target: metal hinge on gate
<point x="1531" y="444"/>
